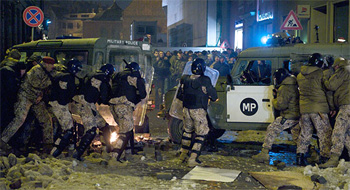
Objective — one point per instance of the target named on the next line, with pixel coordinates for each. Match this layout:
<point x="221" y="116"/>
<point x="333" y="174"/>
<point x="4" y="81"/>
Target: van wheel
<point x="175" y="129"/>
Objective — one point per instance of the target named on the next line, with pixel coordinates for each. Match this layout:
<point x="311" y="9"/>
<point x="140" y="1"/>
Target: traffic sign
<point x="33" y="16"/>
<point x="291" y="22"/>
<point x="225" y="45"/>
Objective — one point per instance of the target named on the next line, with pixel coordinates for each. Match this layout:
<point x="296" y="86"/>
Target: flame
<point x="114" y="137"/>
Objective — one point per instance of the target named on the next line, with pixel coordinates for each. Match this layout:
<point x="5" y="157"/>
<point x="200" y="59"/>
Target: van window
<point x="242" y="65"/>
<point x="256" y="72"/>
<point x="99" y="58"/>
<point x="63" y="57"/>
<point x="25" y="55"/>
<point x="260" y="71"/>
<point x="116" y="58"/>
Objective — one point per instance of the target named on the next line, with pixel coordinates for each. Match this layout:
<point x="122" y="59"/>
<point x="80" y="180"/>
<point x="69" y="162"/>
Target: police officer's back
<point x="129" y="84"/>
<point x="195" y="91"/>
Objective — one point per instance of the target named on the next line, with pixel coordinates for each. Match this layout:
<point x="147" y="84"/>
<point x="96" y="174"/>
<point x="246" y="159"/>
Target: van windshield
<point x="238" y="70"/>
<point x="256" y="72"/>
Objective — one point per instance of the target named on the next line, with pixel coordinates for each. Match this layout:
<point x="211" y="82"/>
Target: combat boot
<point x="47" y="148"/>
<point x="84" y="143"/>
<point x="314" y="157"/>
<point x="332" y="162"/>
<point x="183" y="156"/>
<point x="263" y="156"/>
<point x="193" y="160"/>
<point x="301" y="159"/>
<point x="61" y="143"/>
<point x="5" y="149"/>
<point x="323" y="160"/>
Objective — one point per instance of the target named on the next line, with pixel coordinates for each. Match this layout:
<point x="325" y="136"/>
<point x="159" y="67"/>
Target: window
<point x="261" y="71"/>
<point x="140" y="30"/>
<point x="150" y="30"/>
<point x="64" y="56"/>
<point x="70" y="25"/>
<point x="255" y="72"/>
<point x="73" y="16"/>
<point x="99" y="61"/>
<point x="116" y="57"/>
<point x="84" y="16"/>
<point x="78" y="25"/>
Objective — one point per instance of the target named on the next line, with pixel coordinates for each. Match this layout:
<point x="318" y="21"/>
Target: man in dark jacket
<point x="222" y="66"/>
<point x="95" y="89"/>
<point x="195" y="91"/>
<point x="128" y="88"/>
<point x="287" y="102"/>
<point x="340" y="84"/>
<point x="314" y="109"/>
<point x="261" y="71"/>
<point x="64" y="89"/>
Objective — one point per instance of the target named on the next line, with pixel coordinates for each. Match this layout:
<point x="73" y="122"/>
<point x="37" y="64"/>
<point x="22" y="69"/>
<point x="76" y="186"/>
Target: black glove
<point x="274" y="93"/>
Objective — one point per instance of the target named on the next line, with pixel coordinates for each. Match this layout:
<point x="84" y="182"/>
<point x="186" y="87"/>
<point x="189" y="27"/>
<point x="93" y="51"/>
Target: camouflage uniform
<point x="195" y="120"/>
<point x="30" y="96"/>
<point x="340" y="84"/>
<point x="128" y="88"/>
<point x="195" y="91"/>
<point x="276" y="127"/>
<point x="287" y="102"/>
<point x="314" y="109"/>
<point x="88" y="113"/>
<point x="341" y="132"/>
<point x="324" y="132"/>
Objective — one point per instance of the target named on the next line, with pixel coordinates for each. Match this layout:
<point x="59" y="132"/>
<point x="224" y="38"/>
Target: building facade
<point x="13" y="30"/>
<point x="244" y="24"/>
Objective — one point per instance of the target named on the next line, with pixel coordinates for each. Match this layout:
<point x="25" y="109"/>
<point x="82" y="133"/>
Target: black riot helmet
<point x="329" y="61"/>
<point x="198" y="66"/>
<point x="107" y="69"/>
<point x="316" y="59"/>
<point x="74" y="66"/>
<point x="133" y="66"/>
<point x="280" y="75"/>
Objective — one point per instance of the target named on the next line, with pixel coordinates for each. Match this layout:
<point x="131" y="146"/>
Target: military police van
<point x="245" y="103"/>
<point x="93" y="53"/>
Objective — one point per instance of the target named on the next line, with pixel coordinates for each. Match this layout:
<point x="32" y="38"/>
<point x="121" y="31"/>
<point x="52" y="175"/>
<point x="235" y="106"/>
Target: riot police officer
<point x="64" y="89"/>
<point x="195" y="91"/>
<point x="95" y="89"/>
<point x="287" y="102"/>
<point x="314" y="109"/>
<point x="339" y="83"/>
<point x="128" y="88"/>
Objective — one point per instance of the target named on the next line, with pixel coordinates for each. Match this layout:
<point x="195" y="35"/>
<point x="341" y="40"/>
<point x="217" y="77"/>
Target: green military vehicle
<point x="93" y="53"/>
<point x="248" y="105"/>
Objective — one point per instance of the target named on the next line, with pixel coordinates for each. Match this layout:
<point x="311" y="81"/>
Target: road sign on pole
<point x="33" y="16"/>
<point x="291" y="22"/>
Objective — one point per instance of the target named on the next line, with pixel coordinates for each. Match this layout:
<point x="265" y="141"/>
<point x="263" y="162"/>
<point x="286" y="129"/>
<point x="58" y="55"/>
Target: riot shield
<point x="176" y="105"/>
<point x="141" y="108"/>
